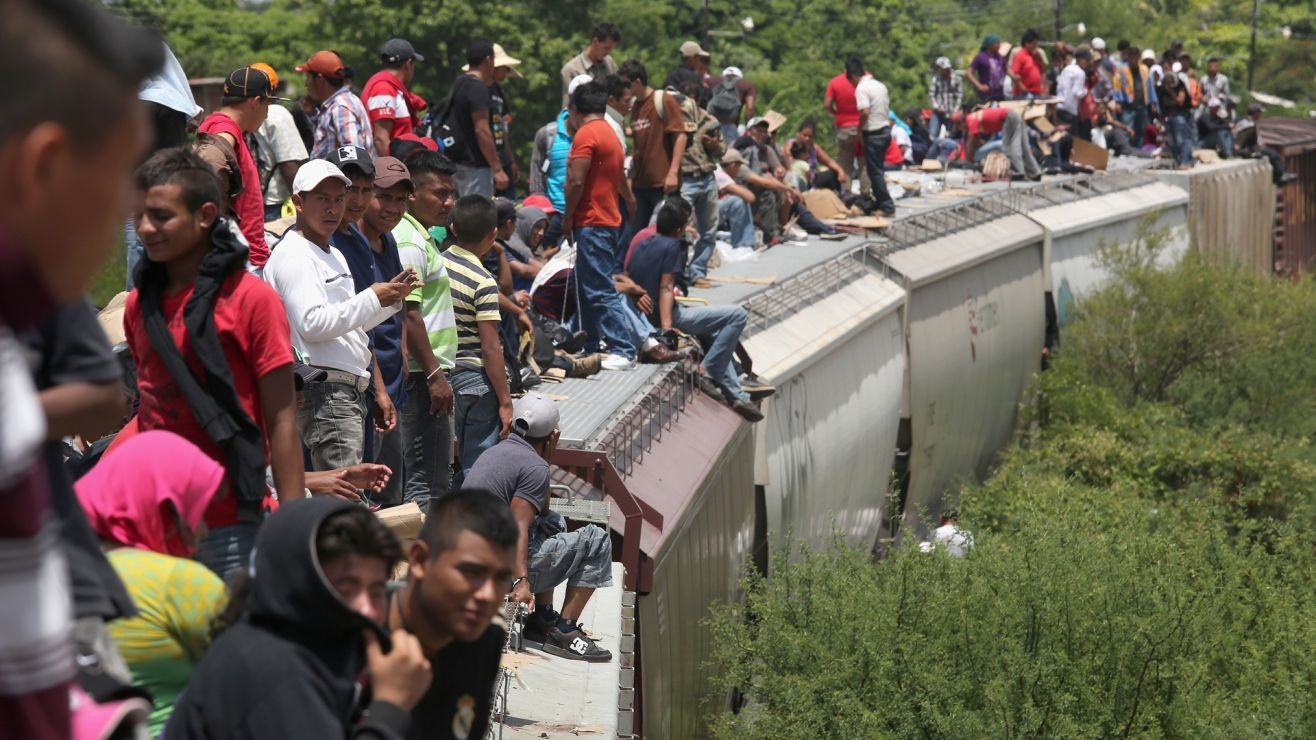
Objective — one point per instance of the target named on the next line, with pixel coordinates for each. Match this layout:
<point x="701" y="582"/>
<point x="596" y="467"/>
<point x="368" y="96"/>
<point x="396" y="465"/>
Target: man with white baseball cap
<point x="516" y="471"/>
<point x="728" y="96"/>
<point x="329" y="319"/>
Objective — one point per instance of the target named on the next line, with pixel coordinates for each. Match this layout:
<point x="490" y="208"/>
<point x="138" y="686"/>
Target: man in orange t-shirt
<point x="595" y="175"/>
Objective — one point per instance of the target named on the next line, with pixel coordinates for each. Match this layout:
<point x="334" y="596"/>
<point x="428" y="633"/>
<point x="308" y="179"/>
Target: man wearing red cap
<point x="248" y="93"/>
<point x="341" y="120"/>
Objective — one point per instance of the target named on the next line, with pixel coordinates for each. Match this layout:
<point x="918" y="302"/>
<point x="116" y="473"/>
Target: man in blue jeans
<point x="736" y="201"/>
<point x="595" y="169"/>
<point x="699" y="188"/>
<point x="483" y="402"/>
<point x="655" y="265"/>
<point x="875" y="122"/>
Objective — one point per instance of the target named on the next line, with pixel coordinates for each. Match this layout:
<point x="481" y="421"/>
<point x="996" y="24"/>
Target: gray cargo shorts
<point x="581" y="558"/>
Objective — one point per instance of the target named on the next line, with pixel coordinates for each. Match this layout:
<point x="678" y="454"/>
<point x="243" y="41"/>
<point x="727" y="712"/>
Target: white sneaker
<point x="796" y="234"/>
<point x="618" y="362"/>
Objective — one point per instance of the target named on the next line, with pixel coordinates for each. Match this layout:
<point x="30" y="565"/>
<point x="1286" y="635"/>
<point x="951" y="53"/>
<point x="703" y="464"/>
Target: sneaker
<point x="701" y="282"/>
<point x="535" y="630"/>
<point x="756" y="388"/>
<point x="585" y="367"/>
<point x="796" y="234"/>
<point x="618" y="362"/>
<point x="1287" y="178"/>
<point x="748" y="411"/>
<point x="575" y="645"/>
<point x="706" y="384"/>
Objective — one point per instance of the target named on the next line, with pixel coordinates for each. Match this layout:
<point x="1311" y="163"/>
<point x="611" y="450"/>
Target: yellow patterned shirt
<point x="176" y="600"/>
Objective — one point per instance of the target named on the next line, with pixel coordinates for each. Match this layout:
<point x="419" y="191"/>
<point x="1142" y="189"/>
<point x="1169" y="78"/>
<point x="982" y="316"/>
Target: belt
<point x="342" y="377"/>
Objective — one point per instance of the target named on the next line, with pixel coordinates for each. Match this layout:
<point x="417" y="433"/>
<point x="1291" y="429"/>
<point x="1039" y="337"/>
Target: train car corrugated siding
<point x="1231" y="213"/>
<point x="700" y="475"/>
<point x="1295" y="222"/>
<point x="1076" y="232"/>
<point x="975" y="320"/>
<point x="826" y="448"/>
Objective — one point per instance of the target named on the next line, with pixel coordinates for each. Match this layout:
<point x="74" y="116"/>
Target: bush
<point x="1143" y="554"/>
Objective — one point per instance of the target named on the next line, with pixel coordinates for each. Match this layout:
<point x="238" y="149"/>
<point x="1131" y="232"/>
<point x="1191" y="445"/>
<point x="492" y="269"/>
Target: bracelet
<point x="436" y="371"/>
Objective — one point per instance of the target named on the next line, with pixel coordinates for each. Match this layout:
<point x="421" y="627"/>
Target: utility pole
<point x="1055" y="12"/>
<point x="1252" y="53"/>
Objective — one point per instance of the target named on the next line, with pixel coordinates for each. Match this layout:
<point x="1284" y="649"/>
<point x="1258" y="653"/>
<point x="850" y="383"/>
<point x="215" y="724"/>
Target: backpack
<point x="439" y="127"/>
<point x="689" y="108"/>
<point x="725" y="101"/>
<point x="996" y="166"/>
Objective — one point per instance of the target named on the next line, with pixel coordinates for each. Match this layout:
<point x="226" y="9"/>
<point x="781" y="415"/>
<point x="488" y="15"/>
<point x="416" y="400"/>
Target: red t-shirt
<point x="596" y="142"/>
<point x="249" y="206"/>
<point x="387" y="100"/>
<point x="841" y="90"/>
<point x="986" y="121"/>
<point x="253" y="330"/>
<point x="1030" y="74"/>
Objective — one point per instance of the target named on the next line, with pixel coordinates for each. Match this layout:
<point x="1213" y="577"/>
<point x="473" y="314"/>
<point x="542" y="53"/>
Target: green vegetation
<point x="1144" y="553"/>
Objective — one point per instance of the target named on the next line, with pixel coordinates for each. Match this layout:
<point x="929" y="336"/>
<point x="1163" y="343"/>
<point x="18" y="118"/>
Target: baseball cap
<point x="1148" y="55"/>
<point x="249" y="82"/>
<point x="324" y="63"/>
<point x="539" y="201"/>
<point x="1254" y="107"/>
<point x="732" y="72"/>
<point x="314" y="172"/>
<point x="692" y="49"/>
<point x="397" y="50"/>
<point x="733" y="156"/>
<point x="352" y="156"/>
<point x="303" y="374"/>
<point x="534" y="415"/>
<point x="390" y="171"/>
<point x="576" y="82"/>
<point x="506" y="210"/>
<point x="943" y="62"/>
<point x="1098" y="43"/>
<point x="757" y="121"/>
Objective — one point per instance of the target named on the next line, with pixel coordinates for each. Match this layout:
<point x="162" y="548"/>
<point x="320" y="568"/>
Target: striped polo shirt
<point x="417" y="250"/>
<point x="474" y="299"/>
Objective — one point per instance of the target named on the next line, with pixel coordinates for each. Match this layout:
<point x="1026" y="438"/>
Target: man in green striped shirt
<point x="430" y="332"/>
<point x="479" y="381"/>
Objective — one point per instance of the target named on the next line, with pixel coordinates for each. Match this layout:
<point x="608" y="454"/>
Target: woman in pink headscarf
<point x="146" y="503"/>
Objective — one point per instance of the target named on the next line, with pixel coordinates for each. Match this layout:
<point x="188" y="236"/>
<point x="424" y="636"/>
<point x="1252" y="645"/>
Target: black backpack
<point x="438" y="126"/>
<point x="725" y="102"/>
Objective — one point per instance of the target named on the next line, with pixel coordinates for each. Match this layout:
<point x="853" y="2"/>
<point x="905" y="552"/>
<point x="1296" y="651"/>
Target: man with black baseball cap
<point x="393" y="109"/>
<point x="248" y="93"/>
<point x="341" y="118"/>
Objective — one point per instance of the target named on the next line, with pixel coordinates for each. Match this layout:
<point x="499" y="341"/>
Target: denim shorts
<point x="581" y="558"/>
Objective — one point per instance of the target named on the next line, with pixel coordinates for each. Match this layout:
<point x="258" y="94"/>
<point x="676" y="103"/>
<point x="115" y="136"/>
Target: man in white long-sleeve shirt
<point x="328" y="318"/>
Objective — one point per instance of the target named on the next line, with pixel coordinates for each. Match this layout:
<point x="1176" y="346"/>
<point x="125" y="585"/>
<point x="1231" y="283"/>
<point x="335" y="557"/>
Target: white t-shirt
<point x="277" y="141"/>
<point x="328" y="318"/>
<point x="902" y="140"/>
<point x="956" y="541"/>
<point x="872" y="96"/>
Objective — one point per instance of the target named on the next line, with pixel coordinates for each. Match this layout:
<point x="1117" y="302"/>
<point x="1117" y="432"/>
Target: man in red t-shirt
<point x="1026" y="67"/>
<point x="595" y="174"/>
<point x="248" y="93"/>
<point x="984" y="123"/>
<point x="393" y="109"/>
<point x="241" y="350"/>
<point x="840" y="102"/>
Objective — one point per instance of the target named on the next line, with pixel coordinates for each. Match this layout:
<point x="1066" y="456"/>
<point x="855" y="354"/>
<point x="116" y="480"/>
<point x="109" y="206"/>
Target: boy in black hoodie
<point x="288" y="668"/>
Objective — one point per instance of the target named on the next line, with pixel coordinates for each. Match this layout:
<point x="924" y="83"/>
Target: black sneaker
<point x="747" y="410"/>
<point x="535" y="629"/>
<point x="575" y="645"/>
<point x="756" y="387"/>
